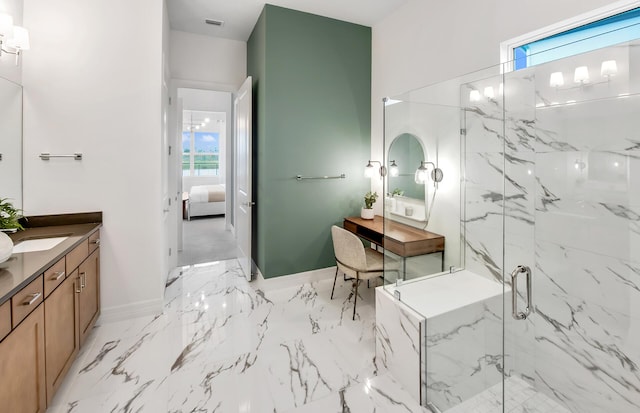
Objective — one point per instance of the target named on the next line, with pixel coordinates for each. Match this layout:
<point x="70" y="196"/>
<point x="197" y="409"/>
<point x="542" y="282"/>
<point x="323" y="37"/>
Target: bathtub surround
<point x="312" y="85"/>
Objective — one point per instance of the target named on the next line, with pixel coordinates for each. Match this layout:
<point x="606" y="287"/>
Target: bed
<point x="206" y="200"/>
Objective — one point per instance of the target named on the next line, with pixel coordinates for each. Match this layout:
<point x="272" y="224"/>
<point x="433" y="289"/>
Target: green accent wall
<point x="312" y="116"/>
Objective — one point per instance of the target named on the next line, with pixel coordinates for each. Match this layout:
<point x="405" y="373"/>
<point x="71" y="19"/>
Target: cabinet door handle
<point x="59" y="275"/>
<point x="96" y="242"/>
<point x="78" y="285"/>
<point x="83" y="280"/>
<point x="34" y="298"/>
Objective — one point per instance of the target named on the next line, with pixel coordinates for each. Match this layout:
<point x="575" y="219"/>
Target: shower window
<point x="601" y="28"/>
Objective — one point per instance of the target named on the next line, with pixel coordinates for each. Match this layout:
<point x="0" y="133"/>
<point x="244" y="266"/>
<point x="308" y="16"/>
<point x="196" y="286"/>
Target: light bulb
<point x="6" y="25"/>
<point x="556" y="79"/>
<point x="609" y="68"/>
<point x="488" y="92"/>
<point x="474" y="96"/>
<point x="420" y="176"/>
<point x="369" y="171"/>
<point x="393" y="169"/>
<point x="581" y="74"/>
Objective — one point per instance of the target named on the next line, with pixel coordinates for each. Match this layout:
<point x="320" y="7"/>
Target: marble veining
<point x="224" y="345"/>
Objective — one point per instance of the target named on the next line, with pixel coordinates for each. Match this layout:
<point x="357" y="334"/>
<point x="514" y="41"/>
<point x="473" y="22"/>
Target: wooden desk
<point x="401" y="239"/>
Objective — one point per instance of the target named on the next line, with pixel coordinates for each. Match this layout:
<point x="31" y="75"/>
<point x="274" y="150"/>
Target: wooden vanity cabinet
<point x="62" y="331"/>
<point x="89" y="296"/>
<point x="43" y="326"/>
<point x="22" y="363"/>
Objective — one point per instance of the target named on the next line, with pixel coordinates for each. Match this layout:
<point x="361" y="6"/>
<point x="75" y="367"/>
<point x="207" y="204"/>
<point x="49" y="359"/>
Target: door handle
<point x="83" y="280"/>
<point x="514" y="293"/>
<point x="249" y="204"/>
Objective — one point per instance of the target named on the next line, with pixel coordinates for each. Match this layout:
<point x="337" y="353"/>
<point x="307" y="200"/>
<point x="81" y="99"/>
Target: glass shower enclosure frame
<point x="538" y="308"/>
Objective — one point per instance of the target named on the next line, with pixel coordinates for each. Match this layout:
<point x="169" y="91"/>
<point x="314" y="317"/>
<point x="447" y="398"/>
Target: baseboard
<point x="294" y="279"/>
<point x="125" y="312"/>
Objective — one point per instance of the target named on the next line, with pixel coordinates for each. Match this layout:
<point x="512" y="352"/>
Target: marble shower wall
<point x="400" y="343"/>
<point x="572" y="214"/>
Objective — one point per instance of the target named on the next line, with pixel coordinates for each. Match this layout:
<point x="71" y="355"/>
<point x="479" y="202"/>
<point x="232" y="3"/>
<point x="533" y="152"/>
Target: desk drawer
<point x="5" y="319"/>
<point x="54" y="276"/>
<point x="26" y="300"/>
<point x="77" y="255"/>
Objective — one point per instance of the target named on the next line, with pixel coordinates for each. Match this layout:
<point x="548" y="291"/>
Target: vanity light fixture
<point x="421" y="174"/>
<point x="13" y="39"/>
<point x="369" y="170"/>
<point x="488" y="92"/>
<point x="556" y="79"/>
<point x="393" y="169"/>
<point x="608" y="68"/>
<point x="474" y="96"/>
<point x="581" y="75"/>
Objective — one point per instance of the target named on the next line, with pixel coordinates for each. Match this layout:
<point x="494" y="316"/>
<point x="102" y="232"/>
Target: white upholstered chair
<point x="354" y="260"/>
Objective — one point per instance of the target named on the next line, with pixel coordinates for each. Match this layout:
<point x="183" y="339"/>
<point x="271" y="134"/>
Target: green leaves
<point x="369" y="199"/>
<point x="9" y="215"/>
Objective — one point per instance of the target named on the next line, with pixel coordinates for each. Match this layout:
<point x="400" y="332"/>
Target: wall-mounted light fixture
<point x="608" y="68"/>
<point x="393" y="169"/>
<point x="556" y="79"/>
<point x="422" y="173"/>
<point x="13" y="39"/>
<point x="581" y="75"/>
<point x="369" y="170"/>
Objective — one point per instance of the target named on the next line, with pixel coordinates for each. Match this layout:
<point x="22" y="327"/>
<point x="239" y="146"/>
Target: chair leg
<point x="334" y="283"/>
<point x="355" y="297"/>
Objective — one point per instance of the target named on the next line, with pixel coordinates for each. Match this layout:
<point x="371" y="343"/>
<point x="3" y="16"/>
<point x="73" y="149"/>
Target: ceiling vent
<point x="214" y="22"/>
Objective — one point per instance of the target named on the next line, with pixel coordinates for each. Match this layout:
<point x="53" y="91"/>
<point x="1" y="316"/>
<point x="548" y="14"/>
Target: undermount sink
<point x="37" y="244"/>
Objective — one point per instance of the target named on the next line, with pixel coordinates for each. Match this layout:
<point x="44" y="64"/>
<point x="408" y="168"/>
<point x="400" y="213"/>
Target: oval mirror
<point x="404" y="157"/>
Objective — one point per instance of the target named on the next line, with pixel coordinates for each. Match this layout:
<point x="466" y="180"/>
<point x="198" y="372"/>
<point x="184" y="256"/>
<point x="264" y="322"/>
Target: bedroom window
<point x="200" y="153"/>
<point x="616" y="23"/>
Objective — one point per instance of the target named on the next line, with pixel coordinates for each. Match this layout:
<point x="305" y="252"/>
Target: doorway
<point x="205" y="225"/>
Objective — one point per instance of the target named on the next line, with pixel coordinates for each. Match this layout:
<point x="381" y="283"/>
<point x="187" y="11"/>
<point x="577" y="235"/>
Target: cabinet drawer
<point x="77" y="255"/>
<point x="26" y="300"/>
<point x="54" y="276"/>
<point x="5" y="319"/>
<point x="94" y="241"/>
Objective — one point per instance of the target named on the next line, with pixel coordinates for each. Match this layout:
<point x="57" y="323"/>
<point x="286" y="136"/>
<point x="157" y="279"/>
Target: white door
<point x="166" y="196"/>
<point x="177" y="177"/>
<point x="242" y="187"/>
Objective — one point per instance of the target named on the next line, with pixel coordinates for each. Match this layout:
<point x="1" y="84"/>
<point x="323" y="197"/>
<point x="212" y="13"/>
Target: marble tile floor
<point x="520" y="397"/>
<point x="224" y="345"/>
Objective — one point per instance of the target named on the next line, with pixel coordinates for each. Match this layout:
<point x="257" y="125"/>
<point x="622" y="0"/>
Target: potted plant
<point x="369" y="200"/>
<point x="9" y="216"/>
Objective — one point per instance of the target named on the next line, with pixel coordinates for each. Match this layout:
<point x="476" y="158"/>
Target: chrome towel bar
<point x="300" y="177"/>
<point x="45" y="156"/>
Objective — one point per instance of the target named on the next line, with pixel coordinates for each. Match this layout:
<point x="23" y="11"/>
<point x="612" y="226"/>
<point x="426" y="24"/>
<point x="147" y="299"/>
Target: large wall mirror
<point x="405" y="153"/>
<point x="11" y="142"/>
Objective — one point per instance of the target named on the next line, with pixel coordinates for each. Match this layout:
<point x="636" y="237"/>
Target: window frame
<point x="507" y="47"/>
<point x="192" y="155"/>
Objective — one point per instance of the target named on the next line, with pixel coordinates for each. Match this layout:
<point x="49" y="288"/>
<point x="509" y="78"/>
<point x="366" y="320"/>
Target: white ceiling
<point x="240" y="16"/>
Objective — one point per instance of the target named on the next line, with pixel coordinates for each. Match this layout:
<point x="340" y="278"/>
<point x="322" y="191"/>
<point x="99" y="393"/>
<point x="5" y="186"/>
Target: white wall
<point x="208" y="62"/>
<point x="423" y="43"/>
<point x="92" y="83"/>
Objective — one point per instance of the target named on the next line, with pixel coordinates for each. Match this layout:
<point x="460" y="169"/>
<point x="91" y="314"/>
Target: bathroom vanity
<point x="49" y="301"/>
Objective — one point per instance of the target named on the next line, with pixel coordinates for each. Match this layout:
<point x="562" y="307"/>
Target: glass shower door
<point x="572" y="217"/>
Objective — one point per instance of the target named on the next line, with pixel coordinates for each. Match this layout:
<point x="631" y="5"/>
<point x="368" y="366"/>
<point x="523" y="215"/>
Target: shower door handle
<point x="514" y="293"/>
